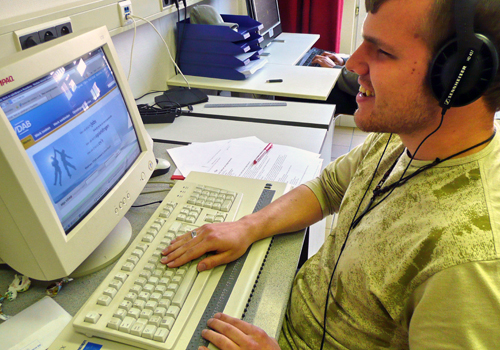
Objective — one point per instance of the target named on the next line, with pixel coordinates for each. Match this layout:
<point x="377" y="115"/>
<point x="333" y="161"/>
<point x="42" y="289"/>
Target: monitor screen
<point x="77" y="132"/>
<point x="267" y="13"/>
<point x="74" y="156"/>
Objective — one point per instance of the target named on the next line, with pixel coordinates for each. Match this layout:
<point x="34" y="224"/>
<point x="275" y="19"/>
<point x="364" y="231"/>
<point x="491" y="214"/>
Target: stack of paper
<point x="236" y="157"/>
<point x="252" y="67"/>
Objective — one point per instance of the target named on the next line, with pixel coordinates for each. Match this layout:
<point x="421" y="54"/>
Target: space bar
<point x="185" y="287"/>
<point x="189" y="304"/>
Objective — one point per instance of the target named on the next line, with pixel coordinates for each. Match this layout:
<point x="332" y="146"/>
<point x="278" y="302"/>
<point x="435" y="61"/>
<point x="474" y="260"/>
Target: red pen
<point x="264" y="151"/>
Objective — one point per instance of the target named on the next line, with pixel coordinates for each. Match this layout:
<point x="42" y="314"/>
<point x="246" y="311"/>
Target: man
<point x="416" y="267"/>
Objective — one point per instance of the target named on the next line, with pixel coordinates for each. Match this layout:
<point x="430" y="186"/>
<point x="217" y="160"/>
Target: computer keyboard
<point x="146" y="304"/>
<point x="306" y="60"/>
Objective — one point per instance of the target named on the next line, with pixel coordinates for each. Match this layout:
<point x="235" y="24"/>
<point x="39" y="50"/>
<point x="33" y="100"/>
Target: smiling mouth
<point x="366" y="92"/>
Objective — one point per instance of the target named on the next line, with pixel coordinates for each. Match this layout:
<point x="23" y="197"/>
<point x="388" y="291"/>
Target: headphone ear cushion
<point x="479" y="75"/>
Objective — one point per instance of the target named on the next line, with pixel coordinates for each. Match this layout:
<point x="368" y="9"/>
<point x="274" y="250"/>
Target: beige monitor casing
<point x="32" y="239"/>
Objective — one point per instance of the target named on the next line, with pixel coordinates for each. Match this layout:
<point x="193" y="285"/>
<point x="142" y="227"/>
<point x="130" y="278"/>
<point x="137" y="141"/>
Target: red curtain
<point x="323" y="17"/>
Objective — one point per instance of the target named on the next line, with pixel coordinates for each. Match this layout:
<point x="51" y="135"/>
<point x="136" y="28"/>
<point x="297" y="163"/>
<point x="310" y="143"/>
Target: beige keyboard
<point x="146" y="304"/>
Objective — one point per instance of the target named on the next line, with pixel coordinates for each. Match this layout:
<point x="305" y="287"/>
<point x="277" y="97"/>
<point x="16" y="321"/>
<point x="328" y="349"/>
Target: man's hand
<point x="229" y="241"/>
<point x="229" y="333"/>
<point x="328" y="59"/>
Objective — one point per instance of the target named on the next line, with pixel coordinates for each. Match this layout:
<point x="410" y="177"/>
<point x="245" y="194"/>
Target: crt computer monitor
<point x="74" y="155"/>
<point x="266" y="12"/>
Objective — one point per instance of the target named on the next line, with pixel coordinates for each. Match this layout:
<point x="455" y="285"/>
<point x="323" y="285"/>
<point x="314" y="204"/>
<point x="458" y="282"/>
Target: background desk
<point x="308" y="126"/>
<point x="266" y="308"/>
<point x="288" y="48"/>
<point x="313" y="83"/>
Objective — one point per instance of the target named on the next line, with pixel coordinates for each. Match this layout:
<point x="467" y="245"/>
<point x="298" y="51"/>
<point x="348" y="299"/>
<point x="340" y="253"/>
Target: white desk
<point x="289" y="52"/>
<point x="313" y="83"/>
<point x="307" y="126"/>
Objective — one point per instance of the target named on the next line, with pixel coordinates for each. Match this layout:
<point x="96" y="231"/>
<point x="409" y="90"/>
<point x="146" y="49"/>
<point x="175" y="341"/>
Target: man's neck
<point x="462" y="128"/>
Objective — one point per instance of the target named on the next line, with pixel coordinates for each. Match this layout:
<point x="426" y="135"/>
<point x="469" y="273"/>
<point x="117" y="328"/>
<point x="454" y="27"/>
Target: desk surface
<point x="251" y="121"/>
<point x="289" y="52"/>
<point x="312" y="115"/>
<point x="314" y="83"/>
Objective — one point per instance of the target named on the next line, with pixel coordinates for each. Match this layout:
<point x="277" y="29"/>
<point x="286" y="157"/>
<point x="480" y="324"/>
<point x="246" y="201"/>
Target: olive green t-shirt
<point x="421" y="269"/>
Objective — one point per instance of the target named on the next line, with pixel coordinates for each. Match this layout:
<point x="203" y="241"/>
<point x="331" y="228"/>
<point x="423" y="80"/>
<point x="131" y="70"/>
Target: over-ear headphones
<point x="465" y="66"/>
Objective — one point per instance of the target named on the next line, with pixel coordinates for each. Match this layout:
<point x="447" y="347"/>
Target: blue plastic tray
<point x="247" y="26"/>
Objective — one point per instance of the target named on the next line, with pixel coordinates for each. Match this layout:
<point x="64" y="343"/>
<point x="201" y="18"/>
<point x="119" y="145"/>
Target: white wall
<point x="151" y="66"/>
<point x="353" y="16"/>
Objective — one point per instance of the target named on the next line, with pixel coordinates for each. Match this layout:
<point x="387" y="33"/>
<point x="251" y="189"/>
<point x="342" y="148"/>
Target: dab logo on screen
<point x="7" y="80"/>
<point x="23" y="126"/>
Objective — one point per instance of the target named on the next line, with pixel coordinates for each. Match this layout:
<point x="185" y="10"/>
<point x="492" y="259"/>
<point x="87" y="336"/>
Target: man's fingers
<point x="219" y="340"/>
<point x="183" y="249"/>
<point x="215" y="260"/>
<point x="228" y="330"/>
<point x="243" y="326"/>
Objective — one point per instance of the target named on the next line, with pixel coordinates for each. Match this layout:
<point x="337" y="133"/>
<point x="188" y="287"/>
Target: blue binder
<point x="222" y="47"/>
<point x="212" y="71"/>
<point x="202" y="58"/>
<point x="211" y="50"/>
<point x="246" y="25"/>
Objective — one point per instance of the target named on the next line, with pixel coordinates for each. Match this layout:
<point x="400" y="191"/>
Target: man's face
<point x="392" y="64"/>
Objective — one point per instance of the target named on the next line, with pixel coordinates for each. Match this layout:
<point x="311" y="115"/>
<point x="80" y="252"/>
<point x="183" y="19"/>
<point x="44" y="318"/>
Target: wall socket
<point x="164" y="4"/>
<point x="125" y="8"/>
<point x="41" y="33"/>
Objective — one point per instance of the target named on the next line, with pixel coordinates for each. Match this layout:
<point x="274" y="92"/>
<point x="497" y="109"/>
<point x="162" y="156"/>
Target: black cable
<point x="345" y="242"/>
<point x="177" y="52"/>
<point x="148" y="93"/>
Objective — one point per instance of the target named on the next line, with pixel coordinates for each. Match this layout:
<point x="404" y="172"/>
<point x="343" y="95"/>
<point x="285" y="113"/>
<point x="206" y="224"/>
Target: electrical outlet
<point x="125" y="8"/>
<point x="47" y="34"/>
<point x="63" y="29"/>
<point x="164" y="4"/>
<point x="42" y="33"/>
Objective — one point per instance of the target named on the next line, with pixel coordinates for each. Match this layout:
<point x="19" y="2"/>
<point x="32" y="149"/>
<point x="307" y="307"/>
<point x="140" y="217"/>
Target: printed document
<point x="236" y="157"/>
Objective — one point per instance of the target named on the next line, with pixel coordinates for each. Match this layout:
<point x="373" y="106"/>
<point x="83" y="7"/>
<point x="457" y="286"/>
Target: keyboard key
<point x="146" y="313"/>
<point x="185" y="286"/>
<point x="125" y="305"/>
<point x="131" y="296"/>
<point x="116" y="284"/>
<point x="167" y="322"/>
<point x="120" y="313"/>
<point x="134" y="313"/>
<point x="127" y="324"/>
<point x="92" y="317"/>
<point x="128" y="266"/>
<point x="104" y="300"/>
<point x="121" y="276"/>
<point x="137" y="329"/>
<point x="161" y="334"/>
<point x="114" y="323"/>
<point x="160" y="311"/>
<point x="173" y="311"/>
<point x="149" y="331"/>
<point x="111" y="292"/>
<point x="155" y="320"/>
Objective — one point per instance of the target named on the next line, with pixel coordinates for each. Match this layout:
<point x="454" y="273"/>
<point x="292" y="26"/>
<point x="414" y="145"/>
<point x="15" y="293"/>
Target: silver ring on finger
<point x="193" y="234"/>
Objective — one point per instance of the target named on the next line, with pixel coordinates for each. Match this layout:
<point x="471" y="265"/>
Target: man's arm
<point x="229" y="240"/>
